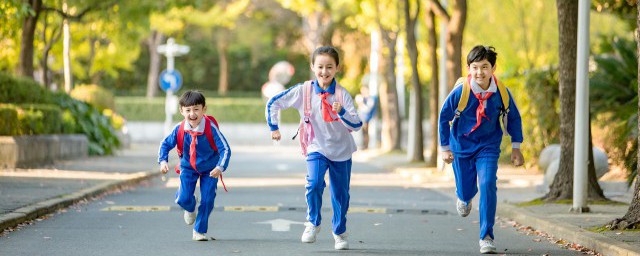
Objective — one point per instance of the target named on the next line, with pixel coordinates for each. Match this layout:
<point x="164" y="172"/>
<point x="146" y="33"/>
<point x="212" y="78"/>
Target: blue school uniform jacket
<point x="488" y="135"/>
<point x="206" y="158"/>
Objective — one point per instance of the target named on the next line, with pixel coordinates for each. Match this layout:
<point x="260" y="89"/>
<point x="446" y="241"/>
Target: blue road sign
<point x="170" y="80"/>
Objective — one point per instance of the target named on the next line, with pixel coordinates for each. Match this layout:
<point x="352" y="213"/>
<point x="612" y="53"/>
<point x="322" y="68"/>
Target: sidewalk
<point x="517" y="185"/>
<point x="27" y="194"/>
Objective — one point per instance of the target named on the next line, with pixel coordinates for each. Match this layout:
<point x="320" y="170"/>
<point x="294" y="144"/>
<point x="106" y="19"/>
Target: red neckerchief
<point x="481" y="107"/>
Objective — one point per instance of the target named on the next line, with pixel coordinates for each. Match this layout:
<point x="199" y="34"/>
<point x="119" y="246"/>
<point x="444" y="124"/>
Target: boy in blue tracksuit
<point x="472" y="140"/>
<point x="205" y="155"/>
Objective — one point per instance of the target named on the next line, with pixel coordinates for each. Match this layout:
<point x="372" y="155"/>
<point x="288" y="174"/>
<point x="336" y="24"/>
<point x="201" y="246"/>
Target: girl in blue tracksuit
<point x="330" y="145"/>
<point x="200" y="160"/>
<point x="472" y="141"/>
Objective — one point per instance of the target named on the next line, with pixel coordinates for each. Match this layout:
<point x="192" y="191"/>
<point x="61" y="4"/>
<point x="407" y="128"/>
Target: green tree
<point x="456" y="22"/>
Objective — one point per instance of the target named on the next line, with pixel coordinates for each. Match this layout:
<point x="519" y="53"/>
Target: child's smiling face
<point x="193" y="114"/>
<point x="481" y="72"/>
<point x="325" y="68"/>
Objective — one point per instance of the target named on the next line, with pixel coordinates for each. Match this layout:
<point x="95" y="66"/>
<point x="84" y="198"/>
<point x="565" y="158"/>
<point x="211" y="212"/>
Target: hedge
<point x="30" y="109"/>
<point x="9" y="124"/>
<point x="237" y="110"/>
<point x="22" y="90"/>
<point x="33" y="119"/>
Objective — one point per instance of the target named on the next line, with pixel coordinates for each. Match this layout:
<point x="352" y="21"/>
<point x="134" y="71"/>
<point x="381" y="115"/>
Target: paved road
<point x="266" y="186"/>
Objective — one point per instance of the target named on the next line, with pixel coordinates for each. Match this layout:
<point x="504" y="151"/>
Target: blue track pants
<point x="186" y="199"/>
<point x="340" y="178"/>
<point x="468" y="172"/>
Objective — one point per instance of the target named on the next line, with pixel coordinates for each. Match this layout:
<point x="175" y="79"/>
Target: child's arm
<point x="514" y="123"/>
<point x="514" y="128"/>
<point x="446" y="115"/>
<point x="165" y="147"/>
<point x="292" y="97"/>
<point x="347" y="113"/>
<point x="223" y="148"/>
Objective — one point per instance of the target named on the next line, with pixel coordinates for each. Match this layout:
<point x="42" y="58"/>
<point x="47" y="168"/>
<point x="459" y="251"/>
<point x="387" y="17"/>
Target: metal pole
<point x="581" y="153"/>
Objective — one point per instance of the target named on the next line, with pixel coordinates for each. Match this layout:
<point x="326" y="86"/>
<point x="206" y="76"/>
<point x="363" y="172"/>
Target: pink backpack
<point x="305" y="129"/>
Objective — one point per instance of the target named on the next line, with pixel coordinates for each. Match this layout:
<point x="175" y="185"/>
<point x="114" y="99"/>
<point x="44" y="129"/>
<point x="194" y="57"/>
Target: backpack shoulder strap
<point x="503" y="94"/>
<point x="339" y="94"/>
<point x="464" y="98"/>
<point x="208" y="131"/>
<point x="180" y="139"/>
<point x="306" y="95"/>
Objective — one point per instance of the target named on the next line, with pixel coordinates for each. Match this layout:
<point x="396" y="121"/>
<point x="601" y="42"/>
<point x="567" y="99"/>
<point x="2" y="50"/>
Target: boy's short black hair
<point x="481" y="52"/>
<point x="192" y="98"/>
<point x="328" y="50"/>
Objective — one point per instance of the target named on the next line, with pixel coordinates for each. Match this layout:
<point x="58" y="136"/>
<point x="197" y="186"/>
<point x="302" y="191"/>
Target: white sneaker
<point x="487" y="245"/>
<point x="190" y="217"/>
<point x="310" y="232"/>
<point x="463" y="208"/>
<point x="199" y="236"/>
<point x="341" y="241"/>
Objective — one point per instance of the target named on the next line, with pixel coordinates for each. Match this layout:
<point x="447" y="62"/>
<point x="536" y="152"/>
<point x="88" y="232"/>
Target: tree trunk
<point x="389" y="108"/>
<point x="432" y="42"/>
<point x="25" y="66"/>
<point x="415" y="145"/>
<point x="44" y="62"/>
<point x="594" y="191"/>
<point x="390" y="113"/>
<point x="155" y="62"/>
<point x="223" y="81"/>
<point x="454" y="39"/>
<point x="562" y="185"/>
<point x="631" y="219"/>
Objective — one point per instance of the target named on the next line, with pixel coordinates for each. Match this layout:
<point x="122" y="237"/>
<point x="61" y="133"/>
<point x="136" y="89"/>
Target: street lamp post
<point x="170" y="79"/>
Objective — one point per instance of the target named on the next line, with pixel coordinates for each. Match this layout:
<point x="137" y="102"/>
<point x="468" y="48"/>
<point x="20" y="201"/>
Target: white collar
<point x="199" y="128"/>
<point x="475" y="88"/>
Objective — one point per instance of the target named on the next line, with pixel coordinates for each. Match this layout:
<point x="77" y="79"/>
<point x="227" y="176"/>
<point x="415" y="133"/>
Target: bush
<point x="40" y="112"/>
<point x="22" y="90"/>
<point x="236" y="110"/>
<point x="95" y="95"/>
<point x="9" y="124"/>
<point x="117" y="121"/>
<point x="97" y="127"/>
<point x="40" y="119"/>
<point x="537" y="97"/>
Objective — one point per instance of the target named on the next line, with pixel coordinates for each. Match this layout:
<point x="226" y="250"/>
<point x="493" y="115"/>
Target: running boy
<point x="329" y="118"/>
<point x="204" y="155"/>
<point x="472" y="142"/>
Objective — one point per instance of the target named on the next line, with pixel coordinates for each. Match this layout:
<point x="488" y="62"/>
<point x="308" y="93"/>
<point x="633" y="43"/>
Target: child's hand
<point x="447" y="156"/>
<point x="164" y="167"/>
<point x="215" y="173"/>
<point x="337" y="107"/>
<point x="516" y="157"/>
<point x="275" y="135"/>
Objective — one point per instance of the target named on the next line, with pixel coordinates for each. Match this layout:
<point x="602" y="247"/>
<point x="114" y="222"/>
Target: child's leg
<point x="465" y="174"/>
<point x="208" y="187"/>
<point x="340" y="178"/>
<point x="487" y="168"/>
<point x="317" y="166"/>
<point x="184" y="195"/>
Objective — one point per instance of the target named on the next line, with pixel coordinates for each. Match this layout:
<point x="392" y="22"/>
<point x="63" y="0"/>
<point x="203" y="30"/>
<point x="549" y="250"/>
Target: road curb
<point x="42" y="208"/>
<point x="588" y="239"/>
